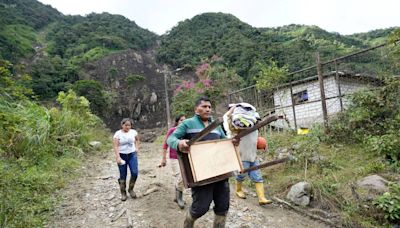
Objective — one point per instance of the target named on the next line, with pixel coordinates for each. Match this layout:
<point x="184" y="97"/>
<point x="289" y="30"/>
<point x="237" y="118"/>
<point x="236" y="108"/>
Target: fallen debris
<point x="151" y="190"/>
<point x="118" y="215"/>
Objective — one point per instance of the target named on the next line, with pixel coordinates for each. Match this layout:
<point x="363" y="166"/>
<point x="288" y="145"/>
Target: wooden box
<point x="209" y="161"/>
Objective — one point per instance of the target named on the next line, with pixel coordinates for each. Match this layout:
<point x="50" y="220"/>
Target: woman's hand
<point x="120" y="161"/>
<point x="163" y="162"/>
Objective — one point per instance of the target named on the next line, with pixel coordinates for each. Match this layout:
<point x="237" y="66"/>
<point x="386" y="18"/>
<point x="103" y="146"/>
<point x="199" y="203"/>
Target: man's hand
<point x="235" y="141"/>
<point x="183" y="146"/>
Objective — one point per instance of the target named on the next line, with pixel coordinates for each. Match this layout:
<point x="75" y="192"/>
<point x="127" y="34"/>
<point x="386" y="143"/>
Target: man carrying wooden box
<point x="202" y="195"/>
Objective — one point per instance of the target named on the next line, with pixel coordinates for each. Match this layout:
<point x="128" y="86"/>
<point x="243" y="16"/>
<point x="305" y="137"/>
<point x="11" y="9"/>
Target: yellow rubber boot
<point x="260" y="193"/>
<point x="239" y="191"/>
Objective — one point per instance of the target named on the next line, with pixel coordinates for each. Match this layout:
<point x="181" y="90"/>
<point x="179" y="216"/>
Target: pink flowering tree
<point x="214" y="81"/>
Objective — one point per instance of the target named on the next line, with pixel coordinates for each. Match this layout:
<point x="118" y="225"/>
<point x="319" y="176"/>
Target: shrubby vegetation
<point x="373" y="118"/>
<point x="39" y="148"/>
<point x="51" y="75"/>
<point x="94" y="92"/>
<point x="269" y="75"/>
<point x="389" y="203"/>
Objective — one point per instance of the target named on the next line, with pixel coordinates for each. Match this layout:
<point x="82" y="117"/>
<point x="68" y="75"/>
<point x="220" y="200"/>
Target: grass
<point x="332" y="177"/>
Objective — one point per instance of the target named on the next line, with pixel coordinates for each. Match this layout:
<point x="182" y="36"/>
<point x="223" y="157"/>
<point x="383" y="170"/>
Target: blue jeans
<point x="254" y="175"/>
<point x="132" y="162"/>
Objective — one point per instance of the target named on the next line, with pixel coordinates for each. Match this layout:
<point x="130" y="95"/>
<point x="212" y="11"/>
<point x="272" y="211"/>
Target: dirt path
<point x="93" y="200"/>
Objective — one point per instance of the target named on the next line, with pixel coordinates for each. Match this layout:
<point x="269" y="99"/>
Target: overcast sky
<point x="343" y="16"/>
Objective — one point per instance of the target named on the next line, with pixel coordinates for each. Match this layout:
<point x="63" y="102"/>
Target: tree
<point x="94" y="92"/>
<point x="269" y="75"/>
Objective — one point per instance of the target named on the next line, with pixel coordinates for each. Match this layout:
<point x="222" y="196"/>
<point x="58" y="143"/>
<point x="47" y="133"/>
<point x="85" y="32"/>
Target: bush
<point x="373" y="119"/>
<point x="389" y="203"/>
<point x="131" y="79"/>
<point x="39" y="150"/>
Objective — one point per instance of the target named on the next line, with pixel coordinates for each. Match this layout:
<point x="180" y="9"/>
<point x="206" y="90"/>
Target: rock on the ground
<point x="374" y="183"/>
<point x="95" y="144"/>
<point x="370" y="187"/>
<point x="300" y="194"/>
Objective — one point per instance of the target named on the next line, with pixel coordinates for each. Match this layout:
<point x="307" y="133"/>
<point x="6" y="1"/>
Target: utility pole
<point x="165" y="72"/>
<point x="167" y="99"/>
<point x="322" y="90"/>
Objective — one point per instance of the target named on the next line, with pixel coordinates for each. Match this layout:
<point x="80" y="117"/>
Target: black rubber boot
<point x="179" y="198"/>
<point x="219" y="221"/>
<point x="122" y="186"/>
<point x="189" y="220"/>
<point x="132" y="182"/>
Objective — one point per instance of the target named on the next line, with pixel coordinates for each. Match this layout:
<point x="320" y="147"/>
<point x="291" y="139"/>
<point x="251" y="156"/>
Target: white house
<point x="307" y="98"/>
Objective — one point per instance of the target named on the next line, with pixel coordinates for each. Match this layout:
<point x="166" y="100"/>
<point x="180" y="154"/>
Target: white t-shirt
<point x="126" y="141"/>
<point x="248" y="147"/>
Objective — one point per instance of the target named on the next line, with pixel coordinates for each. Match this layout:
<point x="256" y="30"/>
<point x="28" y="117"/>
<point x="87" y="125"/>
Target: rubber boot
<point x="239" y="191"/>
<point x="179" y="198"/>
<point x="122" y="186"/>
<point x="219" y="221"/>
<point x="132" y="182"/>
<point x="189" y="220"/>
<point x="260" y="193"/>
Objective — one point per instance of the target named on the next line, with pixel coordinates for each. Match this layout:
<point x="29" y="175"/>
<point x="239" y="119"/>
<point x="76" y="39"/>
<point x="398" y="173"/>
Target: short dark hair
<point x="200" y="99"/>
<point x="177" y="118"/>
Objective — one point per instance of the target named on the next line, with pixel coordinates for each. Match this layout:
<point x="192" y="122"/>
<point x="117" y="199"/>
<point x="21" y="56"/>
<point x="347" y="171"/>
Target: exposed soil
<point x="93" y="200"/>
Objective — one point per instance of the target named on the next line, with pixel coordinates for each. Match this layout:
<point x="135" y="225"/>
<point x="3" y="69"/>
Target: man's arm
<point x="174" y="138"/>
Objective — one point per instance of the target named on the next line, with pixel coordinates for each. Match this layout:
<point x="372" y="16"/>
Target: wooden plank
<point x="213" y="158"/>
<point x="212" y="179"/>
<point x="205" y="131"/>
<point x="258" y="125"/>
<point x="266" y="164"/>
<point x="184" y="166"/>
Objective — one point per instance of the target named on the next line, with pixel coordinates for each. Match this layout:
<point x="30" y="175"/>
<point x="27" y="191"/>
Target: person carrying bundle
<point x="239" y="117"/>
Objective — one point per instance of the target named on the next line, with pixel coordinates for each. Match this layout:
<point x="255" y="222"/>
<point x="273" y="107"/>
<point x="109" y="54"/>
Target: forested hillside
<point x="58" y="50"/>
<point x="20" y="22"/>
<point x="241" y="45"/>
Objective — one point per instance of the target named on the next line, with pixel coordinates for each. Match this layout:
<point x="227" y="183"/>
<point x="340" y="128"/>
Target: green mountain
<point x="241" y="45"/>
<point x="76" y="36"/>
<point x="55" y="48"/>
<point x="29" y="23"/>
<point x="20" y="21"/>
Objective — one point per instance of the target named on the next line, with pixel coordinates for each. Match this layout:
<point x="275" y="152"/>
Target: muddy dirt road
<point x="93" y="200"/>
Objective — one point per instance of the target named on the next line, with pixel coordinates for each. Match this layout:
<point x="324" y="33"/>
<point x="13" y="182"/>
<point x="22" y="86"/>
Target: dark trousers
<point x="132" y="162"/>
<point x="203" y="195"/>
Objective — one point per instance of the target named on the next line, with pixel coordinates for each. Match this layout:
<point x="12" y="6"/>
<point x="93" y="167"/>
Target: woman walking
<point x="126" y="147"/>
<point x="173" y="159"/>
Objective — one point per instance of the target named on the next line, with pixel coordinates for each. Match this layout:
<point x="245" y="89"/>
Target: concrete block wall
<point x="310" y="113"/>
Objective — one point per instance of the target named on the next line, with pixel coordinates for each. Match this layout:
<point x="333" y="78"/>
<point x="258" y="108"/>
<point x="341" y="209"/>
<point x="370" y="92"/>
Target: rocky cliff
<point x="136" y="86"/>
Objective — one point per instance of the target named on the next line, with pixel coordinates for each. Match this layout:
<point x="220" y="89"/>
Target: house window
<point x="300" y="97"/>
